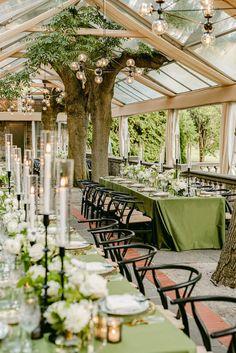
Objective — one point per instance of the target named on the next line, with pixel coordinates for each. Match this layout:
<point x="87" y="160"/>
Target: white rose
<point x="12" y="246"/>
<point x="59" y="308"/>
<point x="1" y="193"/>
<point x="21" y="226"/>
<point x="12" y="226"/>
<point x="76" y="279"/>
<point x="55" y="265"/>
<point x="36" y="271"/>
<point x="77" y="317"/>
<point x="53" y="288"/>
<point x="36" y="252"/>
<point x="94" y="285"/>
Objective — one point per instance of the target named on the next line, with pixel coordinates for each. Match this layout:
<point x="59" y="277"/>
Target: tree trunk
<point x="225" y="273"/>
<point x="101" y="120"/>
<point x="201" y="149"/>
<point x="49" y="118"/>
<point x="77" y="122"/>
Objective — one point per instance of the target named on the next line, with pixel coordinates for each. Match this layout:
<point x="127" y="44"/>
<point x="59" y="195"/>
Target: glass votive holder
<point x="100" y="327"/>
<point x="114" y="330"/>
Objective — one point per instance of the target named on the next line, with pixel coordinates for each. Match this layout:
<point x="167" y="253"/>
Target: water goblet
<point x="29" y="318"/>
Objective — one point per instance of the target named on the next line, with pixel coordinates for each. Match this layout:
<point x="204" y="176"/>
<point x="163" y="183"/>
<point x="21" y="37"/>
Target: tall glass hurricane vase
<point x="47" y="164"/>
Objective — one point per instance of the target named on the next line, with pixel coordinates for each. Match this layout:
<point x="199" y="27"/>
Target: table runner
<point x="181" y="223"/>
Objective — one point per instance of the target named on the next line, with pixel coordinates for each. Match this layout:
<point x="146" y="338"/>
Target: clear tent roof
<point x="191" y="67"/>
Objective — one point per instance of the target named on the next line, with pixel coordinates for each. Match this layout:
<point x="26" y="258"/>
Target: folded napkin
<point x="125" y="303"/>
<point x="97" y="266"/>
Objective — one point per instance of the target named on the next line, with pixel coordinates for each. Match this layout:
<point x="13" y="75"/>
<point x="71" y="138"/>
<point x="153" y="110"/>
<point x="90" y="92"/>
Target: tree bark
<point x="49" y="116"/>
<point x="76" y="100"/>
<point x="225" y="273"/>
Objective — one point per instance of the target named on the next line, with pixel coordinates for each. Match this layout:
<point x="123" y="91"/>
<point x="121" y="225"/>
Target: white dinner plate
<point x="99" y="268"/>
<point x="77" y="244"/>
<point x="124" y="304"/>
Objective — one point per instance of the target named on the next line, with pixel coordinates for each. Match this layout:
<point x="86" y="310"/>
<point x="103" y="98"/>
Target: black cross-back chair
<point x="118" y="255"/>
<point x="110" y="238"/>
<point x="88" y="188"/>
<point x="100" y="223"/>
<point x="205" y="335"/>
<point x="181" y="289"/>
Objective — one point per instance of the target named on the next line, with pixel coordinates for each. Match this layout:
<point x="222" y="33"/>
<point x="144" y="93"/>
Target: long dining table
<point x="180" y="223"/>
<point x="158" y="336"/>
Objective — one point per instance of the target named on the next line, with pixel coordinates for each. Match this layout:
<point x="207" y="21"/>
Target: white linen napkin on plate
<point x="122" y="303"/>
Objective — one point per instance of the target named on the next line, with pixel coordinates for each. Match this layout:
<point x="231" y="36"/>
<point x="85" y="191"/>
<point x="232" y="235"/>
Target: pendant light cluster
<point x="27" y="103"/>
<point x="132" y="71"/>
<point x="160" y="25"/>
<point x="101" y="66"/>
<point x="46" y="98"/>
<point x="208" y="37"/>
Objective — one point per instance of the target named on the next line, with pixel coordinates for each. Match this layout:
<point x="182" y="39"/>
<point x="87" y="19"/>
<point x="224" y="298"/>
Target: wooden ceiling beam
<point x="215" y="95"/>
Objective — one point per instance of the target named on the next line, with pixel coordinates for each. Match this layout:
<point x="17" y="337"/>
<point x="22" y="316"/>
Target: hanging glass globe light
<point x="159" y="26"/>
<point x="80" y="75"/>
<point x="82" y="58"/>
<point x="130" y="63"/>
<point x="104" y="62"/>
<point x="130" y="79"/>
<point x="206" y="3"/>
<point x="98" y="79"/>
<point x="139" y="71"/>
<point x="207" y="39"/>
<point x="74" y="66"/>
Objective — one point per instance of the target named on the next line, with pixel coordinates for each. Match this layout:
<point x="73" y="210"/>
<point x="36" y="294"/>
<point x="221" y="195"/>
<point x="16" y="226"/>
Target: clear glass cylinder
<point x="27" y="170"/>
<point x="64" y="183"/>
<point x="18" y="170"/>
<point x="47" y="163"/>
<point x="32" y="188"/>
<point x="8" y="147"/>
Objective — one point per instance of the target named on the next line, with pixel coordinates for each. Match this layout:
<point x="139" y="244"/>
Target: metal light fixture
<point x="159" y="26"/>
<point x="132" y="71"/>
<point x="208" y="37"/>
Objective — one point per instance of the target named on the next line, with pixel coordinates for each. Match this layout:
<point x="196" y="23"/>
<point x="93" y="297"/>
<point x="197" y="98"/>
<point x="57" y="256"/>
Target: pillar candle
<point x="176" y="146"/>
<point x="189" y="155"/>
<point x="63" y="204"/>
<point x="47" y="179"/>
<point x="18" y="176"/>
<point x="32" y="208"/>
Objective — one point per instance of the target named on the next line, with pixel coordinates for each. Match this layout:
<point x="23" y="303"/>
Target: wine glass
<point x="29" y="318"/>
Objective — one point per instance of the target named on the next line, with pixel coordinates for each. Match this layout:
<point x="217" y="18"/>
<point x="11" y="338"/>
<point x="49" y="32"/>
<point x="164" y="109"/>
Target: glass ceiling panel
<point x="203" y="78"/>
<point x="184" y="76"/>
<point x="167" y="81"/>
<point x="123" y="97"/>
<point x="221" y="55"/>
<point x="139" y="89"/>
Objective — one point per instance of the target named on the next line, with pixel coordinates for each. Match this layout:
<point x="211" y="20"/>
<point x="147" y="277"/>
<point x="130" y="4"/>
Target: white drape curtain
<point x="172" y="130"/>
<point x="124" y="137"/>
<point x="227" y="138"/>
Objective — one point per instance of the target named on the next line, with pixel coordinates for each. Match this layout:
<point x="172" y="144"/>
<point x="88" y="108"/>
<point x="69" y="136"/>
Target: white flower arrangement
<point x="63" y="316"/>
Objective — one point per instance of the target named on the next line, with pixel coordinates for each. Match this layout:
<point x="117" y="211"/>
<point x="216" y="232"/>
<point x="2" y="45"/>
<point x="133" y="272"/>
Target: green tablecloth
<point x="158" y="337"/>
<point x="182" y="223"/>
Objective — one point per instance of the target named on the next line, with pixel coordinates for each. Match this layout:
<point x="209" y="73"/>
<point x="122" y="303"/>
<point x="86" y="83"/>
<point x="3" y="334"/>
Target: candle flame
<point x="48" y="148"/>
<point x="64" y="181"/>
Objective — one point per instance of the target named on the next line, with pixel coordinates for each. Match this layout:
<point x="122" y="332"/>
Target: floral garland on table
<point x="81" y="287"/>
<point x="165" y="181"/>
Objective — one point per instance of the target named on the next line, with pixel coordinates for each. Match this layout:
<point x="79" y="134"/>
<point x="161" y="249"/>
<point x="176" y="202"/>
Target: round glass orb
<point x="139" y="71"/>
<point x="99" y="63"/>
<point x="59" y="99"/>
<point x="130" y="80"/>
<point x="98" y="72"/>
<point x="63" y="94"/>
<point x="74" y="66"/>
<point x="44" y="108"/>
<point x="206" y="3"/>
<point x="130" y="62"/>
<point x="208" y="11"/>
<point x="98" y="79"/>
<point x="207" y="39"/>
<point x="80" y="75"/>
<point x="144" y="9"/>
<point x="104" y="62"/>
<point x="159" y="26"/>
<point x="82" y="57"/>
